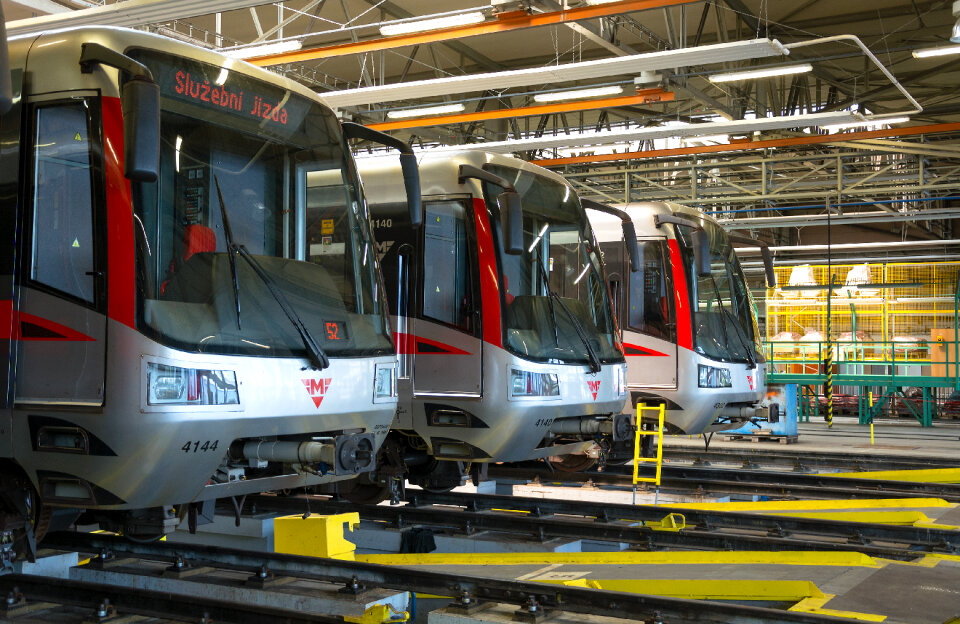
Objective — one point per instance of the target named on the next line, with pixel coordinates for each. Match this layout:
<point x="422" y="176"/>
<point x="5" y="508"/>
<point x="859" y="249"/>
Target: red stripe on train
<point x="16" y="325"/>
<point x="682" y="298"/>
<point x="489" y="284"/>
<point x="417" y="345"/>
<point x="121" y="286"/>
<point x="637" y="350"/>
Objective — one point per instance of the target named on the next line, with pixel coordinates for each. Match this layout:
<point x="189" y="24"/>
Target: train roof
<point x="607" y="227"/>
<point x="382" y="182"/>
<point x="52" y="48"/>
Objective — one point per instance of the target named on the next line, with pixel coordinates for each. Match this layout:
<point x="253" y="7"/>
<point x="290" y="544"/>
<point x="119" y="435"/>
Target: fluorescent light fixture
<point x="880" y="121"/>
<point x="404" y="28"/>
<point x="769" y="72"/>
<point x="713" y="138"/>
<point x="427" y="110"/>
<point x="618" y="136"/>
<point x="266" y="49"/>
<point x="578" y="94"/>
<point x="594" y="149"/>
<point x="557" y="74"/>
<point x="941" y="51"/>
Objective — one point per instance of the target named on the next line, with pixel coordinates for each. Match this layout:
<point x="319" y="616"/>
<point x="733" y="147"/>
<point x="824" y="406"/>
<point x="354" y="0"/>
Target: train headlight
<point x="385" y="383"/>
<point x="713" y="377"/>
<point x="530" y="384"/>
<point x="173" y="385"/>
<point x="620" y="379"/>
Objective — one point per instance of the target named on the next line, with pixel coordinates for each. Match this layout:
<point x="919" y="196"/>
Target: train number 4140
<point x="200" y="445"/>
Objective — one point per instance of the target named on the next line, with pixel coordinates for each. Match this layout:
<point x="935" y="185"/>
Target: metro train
<point x="689" y="323"/>
<point x="507" y="346"/>
<point x="192" y="305"/>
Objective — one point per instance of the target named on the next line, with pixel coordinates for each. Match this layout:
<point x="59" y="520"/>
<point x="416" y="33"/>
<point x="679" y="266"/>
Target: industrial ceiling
<point x="863" y="130"/>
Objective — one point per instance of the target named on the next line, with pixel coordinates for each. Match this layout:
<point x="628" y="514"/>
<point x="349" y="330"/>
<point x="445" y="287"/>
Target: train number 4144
<point x="199" y="445"/>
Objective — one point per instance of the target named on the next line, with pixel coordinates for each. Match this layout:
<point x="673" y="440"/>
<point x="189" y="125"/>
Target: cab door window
<point x="63" y="249"/>
<point x="447" y="280"/>
<point x="651" y="294"/>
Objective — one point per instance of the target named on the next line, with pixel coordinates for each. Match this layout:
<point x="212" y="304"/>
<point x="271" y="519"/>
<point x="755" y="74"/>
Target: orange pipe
<point x="503" y="23"/>
<point x="642" y="97"/>
<point x="813" y="139"/>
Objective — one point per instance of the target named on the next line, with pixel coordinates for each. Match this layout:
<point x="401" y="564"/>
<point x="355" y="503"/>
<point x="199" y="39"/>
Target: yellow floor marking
<point x="815" y="605"/>
<point x="904" y="518"/>
<point x="813" y="505"/>
<point x="925" y="475"/>
<point x="811" y="558"/>
<point x="541" y="571"/>
<point x="706" y="589"/>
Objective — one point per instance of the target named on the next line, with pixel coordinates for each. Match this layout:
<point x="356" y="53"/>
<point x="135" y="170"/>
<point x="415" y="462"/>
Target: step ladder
<point x="661" y="410"/>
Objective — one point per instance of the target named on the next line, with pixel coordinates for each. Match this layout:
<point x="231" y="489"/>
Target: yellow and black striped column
<point x="828" y="362"/>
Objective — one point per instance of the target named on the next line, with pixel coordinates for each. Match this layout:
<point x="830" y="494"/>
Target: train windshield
<point x="275" y="164"/>
<point x="559" y="256"/>
<point x="724" y="318"/>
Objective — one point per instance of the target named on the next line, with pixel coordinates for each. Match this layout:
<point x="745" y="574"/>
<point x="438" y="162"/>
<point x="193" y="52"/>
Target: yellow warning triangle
<point x="77" y="137"/>
<point x="76" y="243"/>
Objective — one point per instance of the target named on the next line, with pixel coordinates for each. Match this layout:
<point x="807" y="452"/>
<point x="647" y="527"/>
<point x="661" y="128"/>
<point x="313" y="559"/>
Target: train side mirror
<point x="633" y="248"/>
<point x="6" y="83"/>
<point x="411" y="182"/>
<point x="768" y="267"/>
<point x="701" y="253"/>
<point x="140" y="102"/>
<point x="511" y="221"/>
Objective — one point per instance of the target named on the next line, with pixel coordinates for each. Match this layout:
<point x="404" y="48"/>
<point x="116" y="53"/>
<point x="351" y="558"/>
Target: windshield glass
<point x="292" y="197"/>
<point x="724" y="318"/>
<point x="556" y="235"/>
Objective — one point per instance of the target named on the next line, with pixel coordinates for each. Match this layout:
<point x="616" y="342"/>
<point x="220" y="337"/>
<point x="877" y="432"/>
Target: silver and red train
<point x="689" y="323"/>
<point x="191" y="301"/>
<point x="507" y="345"/>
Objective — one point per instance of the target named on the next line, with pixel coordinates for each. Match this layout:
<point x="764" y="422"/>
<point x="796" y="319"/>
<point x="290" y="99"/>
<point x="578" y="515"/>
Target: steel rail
<point x="740" y="481"/>
<point x="804" y="461"/>
<point x="143" y="602"/>
<point x="646" y="537"/>
<point x="943" y="540"/>
<point x="350" y="573"/>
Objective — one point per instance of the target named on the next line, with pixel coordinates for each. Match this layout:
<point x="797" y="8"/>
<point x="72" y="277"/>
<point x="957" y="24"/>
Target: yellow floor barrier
<point x="661" y="412"/>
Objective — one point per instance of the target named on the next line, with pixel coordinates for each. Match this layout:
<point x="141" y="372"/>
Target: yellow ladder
<point x="661" y="410"/>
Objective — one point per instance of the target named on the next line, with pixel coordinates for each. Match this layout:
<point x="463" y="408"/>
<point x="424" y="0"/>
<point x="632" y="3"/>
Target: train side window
<point x="447" y="287"/>
<point x="651" y="292"/>
<point x="63" y="253"/>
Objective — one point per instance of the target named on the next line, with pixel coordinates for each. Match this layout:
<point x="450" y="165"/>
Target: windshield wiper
<point x="595" y="364"/>
<point x="318" y="359"/>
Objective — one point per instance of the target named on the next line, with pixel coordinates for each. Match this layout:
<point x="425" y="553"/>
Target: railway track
<point x="752" y="458"/>
<point x="705" y="480"/>
<point x="357" y="577"/>
<point x="639" y="525"/>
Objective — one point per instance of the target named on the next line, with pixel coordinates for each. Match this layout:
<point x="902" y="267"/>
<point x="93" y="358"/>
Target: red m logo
<point x="317" y="388"/>
<point x="594" y="387"/>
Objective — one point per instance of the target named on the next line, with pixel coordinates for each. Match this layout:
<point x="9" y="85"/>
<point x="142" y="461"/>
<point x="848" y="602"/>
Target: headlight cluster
<point x="712" y="377"/>
<point x="173" y="385"/>
<point x="385" y="383"/>
<point x="620" y="380"/>
<point x="529" y="384"/>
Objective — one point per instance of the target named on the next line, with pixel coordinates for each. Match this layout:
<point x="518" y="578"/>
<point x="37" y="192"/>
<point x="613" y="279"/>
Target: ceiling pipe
<point x="506" y="22"/>
<point x="894" y="245"/>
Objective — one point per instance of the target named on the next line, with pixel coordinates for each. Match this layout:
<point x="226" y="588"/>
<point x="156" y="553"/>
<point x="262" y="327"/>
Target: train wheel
<point x="571" y="463"/>
<point x="364" y="493"/>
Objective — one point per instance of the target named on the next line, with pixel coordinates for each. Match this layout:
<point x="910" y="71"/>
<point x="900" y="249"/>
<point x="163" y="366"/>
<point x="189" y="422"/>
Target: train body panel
<point x="690" y="340"/>
<point x="474" y="333"/>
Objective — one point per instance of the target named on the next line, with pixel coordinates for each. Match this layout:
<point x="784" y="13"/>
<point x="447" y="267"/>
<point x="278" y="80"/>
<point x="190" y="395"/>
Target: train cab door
<point x="448" y="348"/>
<point x="61" y="309"/>
<point x="648" y="317"/>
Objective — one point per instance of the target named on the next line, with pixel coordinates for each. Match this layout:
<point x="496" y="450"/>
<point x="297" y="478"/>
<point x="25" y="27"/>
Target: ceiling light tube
<point x="876" y="121"/>
<point x="578" y="94"/>
<point x="714" y="138"/>
<point x="769" y="72"/>
<point x="405" y="28"/>
<point x="427" y="110"/>
<point x="941" y="51"/>
<point x="275" y="47"/>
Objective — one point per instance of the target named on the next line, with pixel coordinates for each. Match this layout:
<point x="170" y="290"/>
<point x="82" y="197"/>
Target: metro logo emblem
<point x="317" y="388"/>
<point x="750" y="381"/>
<point x="594" y="387"/>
